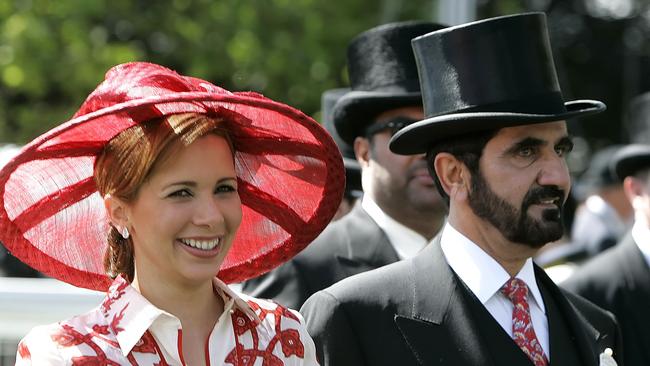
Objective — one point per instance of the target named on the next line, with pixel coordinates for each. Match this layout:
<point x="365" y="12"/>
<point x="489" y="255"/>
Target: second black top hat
<point x="383" y="76"/>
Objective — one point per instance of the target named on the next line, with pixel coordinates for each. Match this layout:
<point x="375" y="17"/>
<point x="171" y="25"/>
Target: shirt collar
<point x="483" y="275"/>
<point x="641" y="236"/>
<point x="407" y="242"/>
<point x="129" y="314"/>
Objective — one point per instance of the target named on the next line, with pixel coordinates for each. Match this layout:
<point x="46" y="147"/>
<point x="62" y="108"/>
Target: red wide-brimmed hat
<point x="290" y="176"/>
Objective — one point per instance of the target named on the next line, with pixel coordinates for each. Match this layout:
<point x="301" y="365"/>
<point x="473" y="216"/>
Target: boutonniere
<point x="606" y="358"/>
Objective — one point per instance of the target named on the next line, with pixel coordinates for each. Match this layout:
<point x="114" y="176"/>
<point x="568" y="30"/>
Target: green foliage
<point x="54" y="53"/>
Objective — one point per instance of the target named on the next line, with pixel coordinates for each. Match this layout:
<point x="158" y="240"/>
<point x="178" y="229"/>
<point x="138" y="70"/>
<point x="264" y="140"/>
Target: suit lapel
<point x="584" y="334"/>
<point x="371" y="249"/>
<point x="436" y="322"/>
<point x="637" y="274"/>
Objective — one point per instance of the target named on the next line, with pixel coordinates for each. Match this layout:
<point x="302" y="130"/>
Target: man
<point x="400" y="210"/>
<point x="605" y="215"/>
<point x="619" y="279"/>
<point x="496" y="141"/>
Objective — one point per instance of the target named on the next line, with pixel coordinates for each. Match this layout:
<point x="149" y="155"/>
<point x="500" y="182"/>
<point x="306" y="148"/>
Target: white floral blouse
<point x="126" y="329"/>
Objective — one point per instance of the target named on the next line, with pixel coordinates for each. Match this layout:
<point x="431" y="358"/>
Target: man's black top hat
<point x="383" y="76"/>
<point x="632" y="159"/>
<point x="487" y="74"/>
<point x="352" y="167"/>
<point x="637" y="119"/>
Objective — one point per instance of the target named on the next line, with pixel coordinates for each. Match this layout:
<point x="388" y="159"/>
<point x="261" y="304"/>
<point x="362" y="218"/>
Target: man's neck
<point x="511" y="256"/>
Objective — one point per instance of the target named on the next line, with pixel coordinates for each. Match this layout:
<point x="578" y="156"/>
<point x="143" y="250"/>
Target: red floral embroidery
<point x="115" y="292"/>
<point x="289" y="338"/>
<point x="146" y="344"/>
<point x="115" y="322"/>
<point x="291" y="344"/>
<point x="23" y="352"/>
<point x="93" y="361"/>
<point x="68" y="337"/>
<point x="100" y="329"/>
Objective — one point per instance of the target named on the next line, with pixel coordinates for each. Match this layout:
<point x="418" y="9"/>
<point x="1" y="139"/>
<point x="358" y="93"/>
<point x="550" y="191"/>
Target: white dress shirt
<point x="641" y="235"/>
<point x="406" y="242"/>
<point x="484" y="276"/>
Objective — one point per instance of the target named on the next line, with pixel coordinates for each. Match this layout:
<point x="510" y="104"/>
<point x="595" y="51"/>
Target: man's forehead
<point x="549" y="131"/>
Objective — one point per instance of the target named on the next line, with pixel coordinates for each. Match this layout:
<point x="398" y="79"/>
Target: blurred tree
<point x="53" y="53"/>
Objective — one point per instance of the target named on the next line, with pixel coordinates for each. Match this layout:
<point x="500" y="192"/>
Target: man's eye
<point x="526" y="152"/>
<point x="562" y="150"/>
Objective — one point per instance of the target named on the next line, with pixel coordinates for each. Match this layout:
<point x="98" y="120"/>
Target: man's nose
<point x="554" y="172"/>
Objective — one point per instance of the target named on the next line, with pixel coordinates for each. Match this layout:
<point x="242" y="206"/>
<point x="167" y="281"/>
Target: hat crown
<point x="328" y="100"/>
<point x="503" y="64"/>
<point x="381" y="58"/>
<point x="637" y="119"/>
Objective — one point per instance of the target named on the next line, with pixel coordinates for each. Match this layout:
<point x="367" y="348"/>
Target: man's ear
<point x="117" y="211"/>
<point x="453" y="175"/>
<point x="362" y="150"/>
<point x="634" y="190"/>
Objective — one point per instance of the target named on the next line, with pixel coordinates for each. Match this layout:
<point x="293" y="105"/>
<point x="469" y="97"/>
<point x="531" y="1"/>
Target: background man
<point x="496" y="142"/>
<point x="400" y="210"/>
<point x="619" y="279"/>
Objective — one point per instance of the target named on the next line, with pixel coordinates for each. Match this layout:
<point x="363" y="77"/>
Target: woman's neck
<point x="196" y="305"/>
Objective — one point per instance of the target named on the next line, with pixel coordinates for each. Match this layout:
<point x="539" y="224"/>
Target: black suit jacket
<point x="415" y="312"/>
<point x="619" y="280"/>
<point x="351" y="245"/>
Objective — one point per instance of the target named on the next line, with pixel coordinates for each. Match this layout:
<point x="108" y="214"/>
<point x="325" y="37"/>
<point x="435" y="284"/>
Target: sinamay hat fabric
<point x="290" y="176"/>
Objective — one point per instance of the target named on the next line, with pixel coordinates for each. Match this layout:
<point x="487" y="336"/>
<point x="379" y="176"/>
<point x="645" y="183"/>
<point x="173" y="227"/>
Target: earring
<point x="124" y="232"/>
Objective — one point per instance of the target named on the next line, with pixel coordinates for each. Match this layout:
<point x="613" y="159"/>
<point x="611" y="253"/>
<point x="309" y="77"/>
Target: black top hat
<point x="632" y="159"/>
<point x="599" y="174"/>
<point x="487" y="74"/>
<point x="383" y="75"/>
<point x="637" y="119"/>
<point x="352" y="167"/>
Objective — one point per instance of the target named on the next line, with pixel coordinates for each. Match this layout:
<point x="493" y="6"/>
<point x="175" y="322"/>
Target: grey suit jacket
<point x="618" y="280"/>
<point x="415" y="312"/>
<point x="351" y="245"/>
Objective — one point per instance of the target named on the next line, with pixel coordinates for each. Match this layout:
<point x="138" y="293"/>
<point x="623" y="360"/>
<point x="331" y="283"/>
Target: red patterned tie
<point x="522" y="327"/>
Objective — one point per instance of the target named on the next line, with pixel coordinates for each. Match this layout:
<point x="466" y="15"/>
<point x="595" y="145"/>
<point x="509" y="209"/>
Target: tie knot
<point x="516" y="290"/>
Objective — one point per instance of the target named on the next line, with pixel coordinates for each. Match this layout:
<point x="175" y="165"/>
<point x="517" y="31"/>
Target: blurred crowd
<point x="393" y="210"/>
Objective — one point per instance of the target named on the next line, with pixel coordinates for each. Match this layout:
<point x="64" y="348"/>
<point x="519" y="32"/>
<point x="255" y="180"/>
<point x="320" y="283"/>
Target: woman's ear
<point x="117" y="211"/>
<point x="453" y="176"/>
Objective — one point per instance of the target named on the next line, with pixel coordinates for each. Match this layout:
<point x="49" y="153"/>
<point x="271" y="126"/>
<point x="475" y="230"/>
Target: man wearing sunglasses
<point x="400" y="211"/>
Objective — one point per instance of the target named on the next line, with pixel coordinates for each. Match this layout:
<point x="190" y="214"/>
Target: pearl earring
<point x="124" y="232"/>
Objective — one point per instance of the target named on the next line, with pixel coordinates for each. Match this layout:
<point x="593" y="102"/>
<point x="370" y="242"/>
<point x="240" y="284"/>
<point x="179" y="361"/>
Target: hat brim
<point x="354" y="111"/>
<point x="631" y="159"/>
<point x="294" y="151"/>
<point x="418" y="137"/>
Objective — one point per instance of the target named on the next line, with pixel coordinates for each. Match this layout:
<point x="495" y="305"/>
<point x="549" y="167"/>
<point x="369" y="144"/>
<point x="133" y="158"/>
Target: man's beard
<point x="516" y="225"/>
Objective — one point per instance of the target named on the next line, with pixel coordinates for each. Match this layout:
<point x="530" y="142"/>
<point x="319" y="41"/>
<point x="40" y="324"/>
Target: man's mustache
<point x="544" y="193"/>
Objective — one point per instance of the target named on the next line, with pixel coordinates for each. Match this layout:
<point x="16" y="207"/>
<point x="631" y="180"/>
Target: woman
<point x="159" y="182"/>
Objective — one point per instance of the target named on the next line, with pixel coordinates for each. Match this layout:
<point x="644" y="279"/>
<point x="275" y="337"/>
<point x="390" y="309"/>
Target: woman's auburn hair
<point x="129" y="159"/>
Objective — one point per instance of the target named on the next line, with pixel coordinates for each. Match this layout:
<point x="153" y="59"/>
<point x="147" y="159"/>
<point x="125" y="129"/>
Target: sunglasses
<point x="392" y="125"/>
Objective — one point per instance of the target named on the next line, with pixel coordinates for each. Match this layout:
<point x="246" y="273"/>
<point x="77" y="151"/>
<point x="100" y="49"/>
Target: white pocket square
<point x="606" y="358"/>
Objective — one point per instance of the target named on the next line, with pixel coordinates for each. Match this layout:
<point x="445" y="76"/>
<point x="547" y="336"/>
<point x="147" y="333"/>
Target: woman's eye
<point x="225" y="189"/>
<point x="181" y="193"/>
